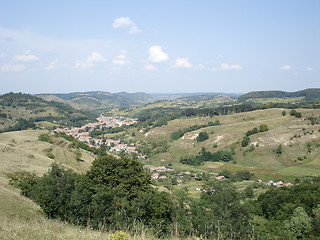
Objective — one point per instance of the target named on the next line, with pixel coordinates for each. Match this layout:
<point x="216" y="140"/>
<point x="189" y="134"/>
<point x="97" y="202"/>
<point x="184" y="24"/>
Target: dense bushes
<point x="206" y="156"/>
<point x="179" y="133"/>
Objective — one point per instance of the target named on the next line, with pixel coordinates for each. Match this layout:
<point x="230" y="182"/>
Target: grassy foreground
<point x="20" y="217"/>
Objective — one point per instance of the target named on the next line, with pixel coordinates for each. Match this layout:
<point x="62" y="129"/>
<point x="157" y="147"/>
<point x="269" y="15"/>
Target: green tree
<point x="284" y="113"/>
<point x="299" y="224"/>
<point x="264" y="127"/>
<point x="245" y="141"/>
<point x="202" y="136"/>
<point x="279" y="150"/>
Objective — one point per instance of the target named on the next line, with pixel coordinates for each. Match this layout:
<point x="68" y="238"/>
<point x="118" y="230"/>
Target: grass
<point x="262" y="160"/>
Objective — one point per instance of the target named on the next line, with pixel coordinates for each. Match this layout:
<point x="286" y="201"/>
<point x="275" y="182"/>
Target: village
<point x="114" y="146"/>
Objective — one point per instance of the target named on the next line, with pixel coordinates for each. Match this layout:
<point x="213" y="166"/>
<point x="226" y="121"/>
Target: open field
<point x="294" y="134"/>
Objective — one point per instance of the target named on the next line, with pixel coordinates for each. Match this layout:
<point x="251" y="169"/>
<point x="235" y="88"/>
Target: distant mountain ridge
<point x="96" y="100"/>
<point x="308" y="94"/>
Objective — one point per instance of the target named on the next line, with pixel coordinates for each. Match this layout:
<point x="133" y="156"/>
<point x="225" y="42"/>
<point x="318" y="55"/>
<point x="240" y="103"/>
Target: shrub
<point x="45" y="138"/>
<point x="119" y="235"/>
<point x="245" y="141"/>
<point x="202" y="137"/>
<point x="264" y="127"/>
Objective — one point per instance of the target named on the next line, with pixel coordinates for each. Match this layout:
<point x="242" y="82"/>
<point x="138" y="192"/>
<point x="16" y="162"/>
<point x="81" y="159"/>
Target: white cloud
<point x="200" y="66"/>
<point x="3" y="54"/>
<point x="83" y="65"/>
<point x="26" y="58"/>
<point x="120" y="60"/>
<point x="150" y="67"/>
<point x="12" y="67"/>
<point x="93" y="58"/>
<point x="156" y="54"/>
<point x="96" y="57"/>
<point x="225" y="66"/>
<point x="182" y="63"/>
<point x="52" y="65"/>
<point x="125" y="22"/>
<point x="286" y="67"/>
<point x="309" y="68"/>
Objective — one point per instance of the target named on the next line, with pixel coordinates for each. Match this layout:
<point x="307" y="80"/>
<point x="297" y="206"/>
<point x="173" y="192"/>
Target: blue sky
<point x="159" y="46"/>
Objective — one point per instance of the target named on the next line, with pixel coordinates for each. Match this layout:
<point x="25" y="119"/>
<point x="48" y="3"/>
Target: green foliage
<point x="119" y="235"/>
<point x="263" y="127"/>
<point x="278" y="150"/>
<point x="45" y="138"/>
<point x="251" y="132"/>
<point x="205" y="156"/>
<point x="23" y="180"/>
<point x="284" y="113"/>
<point x="179" y="133"/>
<point x="248" y="191"/>
<point x="22" y="124"/>
<point x="299" y="223"/>
<point x="245" y="141"/>
<point x="77" y="154"/>
<point x="50" y="155"/>
<point x="295" y="113"/>
<point x="202" y="137"/>
<point x="52" y="192"/>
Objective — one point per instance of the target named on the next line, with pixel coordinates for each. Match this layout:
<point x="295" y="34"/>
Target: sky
<point x="167" y="46"/>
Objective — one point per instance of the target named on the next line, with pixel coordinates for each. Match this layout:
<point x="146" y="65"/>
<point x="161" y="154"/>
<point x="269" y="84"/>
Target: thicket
<point x="21" y="124"/>
<point x="179" y="133"/>
<point x="292" y="213"/>
<point x="295" y="113"/>
<point x="116" y="194"/>
<point x="206" y="156"/>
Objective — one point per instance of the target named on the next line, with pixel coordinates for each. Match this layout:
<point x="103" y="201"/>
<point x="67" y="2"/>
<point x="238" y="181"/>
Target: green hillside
<point x="299" y="138"/>
<point x="311" y="94"/>
<point x="98" y="100"/>
<point x="15" y="106"/>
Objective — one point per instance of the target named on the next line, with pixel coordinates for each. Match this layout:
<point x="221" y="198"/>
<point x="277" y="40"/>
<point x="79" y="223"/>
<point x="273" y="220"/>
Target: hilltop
<point x="18" y="109"/>
<point x="98" y="100"/>
<point x="312" y="94"/>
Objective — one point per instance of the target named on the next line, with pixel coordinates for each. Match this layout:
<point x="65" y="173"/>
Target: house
<point x="159" y="169"/>
<point x="278" y="184"/>
<point x="259" y="181"/>
<point x="220" y="178"/>
<point x="163" y="177"/>
<point x="155" y="175"/>
<point x="270" y="182"/>
<point x="287" y="184"/>
<point x="198" y="189"/>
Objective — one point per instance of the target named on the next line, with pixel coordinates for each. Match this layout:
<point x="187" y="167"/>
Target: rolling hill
<point x="303" y="95"/>
<point x="15" y="106"/>
<point x="98" y="100"/>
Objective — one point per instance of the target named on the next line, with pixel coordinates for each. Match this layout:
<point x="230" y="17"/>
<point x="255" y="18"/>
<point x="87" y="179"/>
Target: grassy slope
<point x="263" y="161"/>
<point x="21" y="218"/>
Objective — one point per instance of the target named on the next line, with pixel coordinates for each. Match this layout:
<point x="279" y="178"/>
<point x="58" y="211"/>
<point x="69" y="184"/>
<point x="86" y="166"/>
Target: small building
<point x="259" y="181"/>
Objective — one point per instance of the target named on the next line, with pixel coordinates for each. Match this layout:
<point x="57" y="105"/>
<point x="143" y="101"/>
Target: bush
<point x="264" y="127"/>
<point x="45" y="138"/>
<point x="245" y="141"/>
<point x="119" y="235"/>
<point x="202" y="137"/>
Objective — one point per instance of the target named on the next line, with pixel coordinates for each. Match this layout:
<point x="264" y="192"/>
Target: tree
<point x="264" y="127"/>
<point x="77" y="154"/>
<point x="284" y="113"/>
<point x="299" y="224"/>
<point x="202" y="136"/>
<point x="245" y="141"/>
<point x="279" y="150"/>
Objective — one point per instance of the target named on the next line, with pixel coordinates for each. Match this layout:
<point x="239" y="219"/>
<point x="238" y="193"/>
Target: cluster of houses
<point x="277" y="184"/>
<point x="83" y="134"/>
